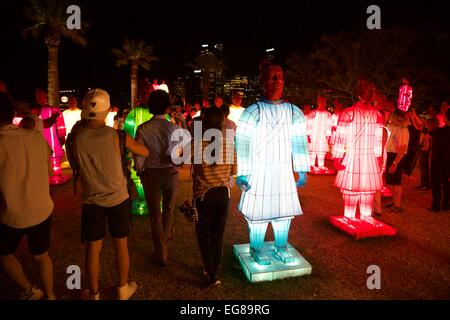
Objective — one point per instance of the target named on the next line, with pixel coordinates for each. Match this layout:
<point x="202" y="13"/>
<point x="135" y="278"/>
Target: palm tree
<point x="137" y="54"/>
<point x="49" y="19"/>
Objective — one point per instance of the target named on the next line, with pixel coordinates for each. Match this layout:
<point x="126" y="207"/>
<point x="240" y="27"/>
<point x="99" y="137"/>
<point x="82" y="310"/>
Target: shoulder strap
<point x="122" y="146"/>
<point x="71" y="154"/>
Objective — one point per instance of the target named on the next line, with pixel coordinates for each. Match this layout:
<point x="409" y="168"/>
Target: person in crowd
<point x="396" y="148"/>
<point x="158" y="173"/>
<point x="441" y="115"/>
<point x="212" y="195"/>
<point x="25" y="204"/>
<point x="71" y="115"/>
<point x="425" y="150"/>
<point x="96" y="153"/>
<point x="218" y="101"/>
<point x="440" y="166"/>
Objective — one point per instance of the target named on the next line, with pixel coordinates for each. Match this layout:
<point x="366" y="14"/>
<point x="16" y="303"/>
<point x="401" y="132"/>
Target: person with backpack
<point x="95" y="152"/>
<point x="25" y="203"/>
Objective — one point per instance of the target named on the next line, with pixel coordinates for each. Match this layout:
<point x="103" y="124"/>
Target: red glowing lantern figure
<point x="319" y="125"/>
<point x="359" y="137"/>
<point x="55" y="136"/>
<point x="404" y="96"/>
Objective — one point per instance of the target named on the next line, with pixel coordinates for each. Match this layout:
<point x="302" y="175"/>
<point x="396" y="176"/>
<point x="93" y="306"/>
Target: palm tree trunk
<point x="134" y="76"/>
<point x="53" y="79"/>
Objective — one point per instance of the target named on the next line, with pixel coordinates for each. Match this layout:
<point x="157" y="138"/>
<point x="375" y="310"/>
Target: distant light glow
<point x="270" y="50"/>
<point x="204" y="46"/>
<point x="197" y="71"/>
<point x="64" y="99"/>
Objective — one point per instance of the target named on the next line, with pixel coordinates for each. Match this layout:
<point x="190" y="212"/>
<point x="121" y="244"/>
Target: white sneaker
<point x="127" y="291"/>
<point x="34" y="293"/>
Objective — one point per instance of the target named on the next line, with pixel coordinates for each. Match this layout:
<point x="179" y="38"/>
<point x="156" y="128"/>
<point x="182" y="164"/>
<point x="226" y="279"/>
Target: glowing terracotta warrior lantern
<point x="404" y="95"/>
<point x="319" y="132"/>
<point x="54" y="136"/>
<point x="136" y="117"/>
<point x="271" y="143"/>
<point x="359" y="136"/>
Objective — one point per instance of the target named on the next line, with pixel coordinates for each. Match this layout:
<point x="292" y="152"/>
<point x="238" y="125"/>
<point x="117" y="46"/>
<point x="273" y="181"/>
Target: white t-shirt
<point x="24" y="177"/>
<point x="235" y="113"/>
<point x="70" y="118"/>
<point x="110" y="118"/>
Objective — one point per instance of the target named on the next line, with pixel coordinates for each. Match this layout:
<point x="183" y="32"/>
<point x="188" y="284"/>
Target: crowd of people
<point x="96" y="153"/>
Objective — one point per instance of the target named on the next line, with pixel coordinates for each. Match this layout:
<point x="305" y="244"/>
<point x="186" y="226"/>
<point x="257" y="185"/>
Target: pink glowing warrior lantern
<point x="55" y="136"/>
<point x="404" y="95"/>
<point x="319" y="132"/>
<point x="357" y="156"/>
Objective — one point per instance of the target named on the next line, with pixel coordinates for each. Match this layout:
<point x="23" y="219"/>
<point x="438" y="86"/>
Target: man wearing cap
<point x="105" y="194"/>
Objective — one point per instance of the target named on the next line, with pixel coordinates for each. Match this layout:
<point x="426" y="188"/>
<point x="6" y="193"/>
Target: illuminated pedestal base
<point x="276" y="270"/>
<point x="319" y="171"/>
<point x="386" y="192"/>
<point x="139" y="207"/>
<point x="359" y="229"/>
<point x="57" y="180"/>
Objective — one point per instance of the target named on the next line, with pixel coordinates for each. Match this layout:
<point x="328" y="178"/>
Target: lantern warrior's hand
<point x="337" y="164"/>
<point x="302" y="178"/>
<point x="242" y="183"/>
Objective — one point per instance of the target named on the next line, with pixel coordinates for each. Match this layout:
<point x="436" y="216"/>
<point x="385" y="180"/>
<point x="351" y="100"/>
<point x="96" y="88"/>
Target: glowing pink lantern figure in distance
<point x="319" y="132"/>
<point x="55" y="136"/>
<point x="404" y="95"/>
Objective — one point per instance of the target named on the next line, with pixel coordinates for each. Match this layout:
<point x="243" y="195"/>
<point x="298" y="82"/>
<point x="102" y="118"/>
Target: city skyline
<point x="177" y="32"/>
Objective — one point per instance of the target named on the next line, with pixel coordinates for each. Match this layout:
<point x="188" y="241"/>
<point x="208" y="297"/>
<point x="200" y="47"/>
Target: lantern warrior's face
<point x="273" y="81"/>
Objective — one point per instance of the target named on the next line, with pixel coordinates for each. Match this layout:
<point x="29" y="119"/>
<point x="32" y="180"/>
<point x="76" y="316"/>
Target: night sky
<point x="177" y="30"/>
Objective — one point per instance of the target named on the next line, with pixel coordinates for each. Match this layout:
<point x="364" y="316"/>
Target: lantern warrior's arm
<point x="245" y="136"/>
<point x="299" y="138"/>
<point x="300" y="154"/>
<point x="340" y="141"/>
<point x="378" y="147"/>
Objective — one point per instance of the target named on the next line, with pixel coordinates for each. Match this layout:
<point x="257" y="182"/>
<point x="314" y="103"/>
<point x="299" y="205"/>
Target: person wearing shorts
<point x="96" y="150"/>
<point x="396" y="148"/>
<point x="25" y="204"/>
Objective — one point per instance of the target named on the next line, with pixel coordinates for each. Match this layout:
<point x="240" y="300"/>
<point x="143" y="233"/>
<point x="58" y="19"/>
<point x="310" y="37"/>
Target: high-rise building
<point x="236" y="83"/>
<point x="179" y="88"/>
<point x="211" y="62"/>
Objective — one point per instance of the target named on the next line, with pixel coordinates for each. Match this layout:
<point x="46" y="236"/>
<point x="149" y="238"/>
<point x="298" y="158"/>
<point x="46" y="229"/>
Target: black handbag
<point x="188" y="208"/>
